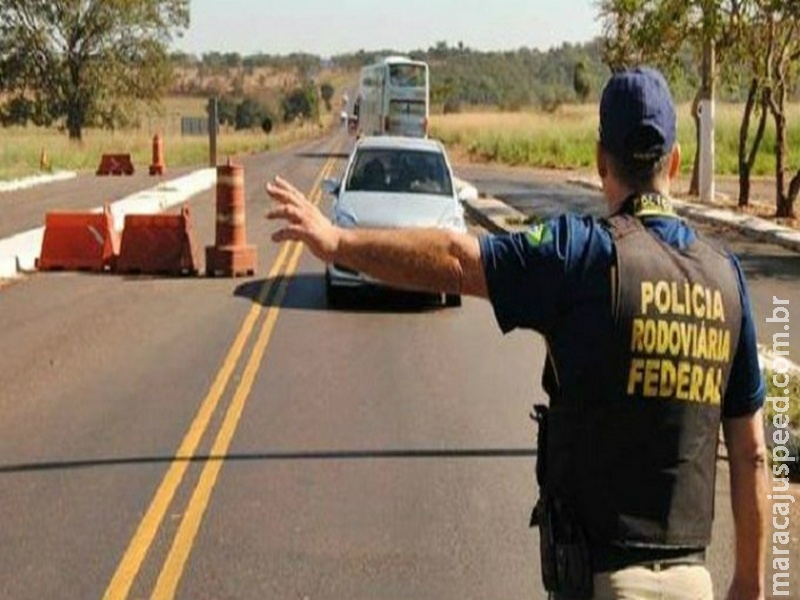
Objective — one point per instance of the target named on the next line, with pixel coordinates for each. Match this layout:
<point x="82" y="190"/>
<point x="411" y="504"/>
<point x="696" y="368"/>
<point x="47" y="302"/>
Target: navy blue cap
<point x="637" y="116"/>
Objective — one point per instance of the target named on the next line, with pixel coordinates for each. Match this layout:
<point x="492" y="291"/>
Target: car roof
<point x="389" y="142"/>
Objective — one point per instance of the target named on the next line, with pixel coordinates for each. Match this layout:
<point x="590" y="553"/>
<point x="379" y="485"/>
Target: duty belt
<point x="611" y="558"/>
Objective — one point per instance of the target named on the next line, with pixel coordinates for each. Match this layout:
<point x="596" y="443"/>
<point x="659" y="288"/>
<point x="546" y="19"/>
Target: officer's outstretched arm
<point x="744" y="438"/>
<point x="433" y="260"/>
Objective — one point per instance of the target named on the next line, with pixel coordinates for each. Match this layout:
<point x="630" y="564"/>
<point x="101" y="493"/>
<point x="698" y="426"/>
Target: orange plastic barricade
<point x="230" y="256"/>
<point x="158" y="245"/>
<point x="115" y="164"/>
<point x="76" y="241"/>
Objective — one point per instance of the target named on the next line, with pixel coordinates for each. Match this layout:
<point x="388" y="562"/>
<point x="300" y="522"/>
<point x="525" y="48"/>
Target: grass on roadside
<point x="21" y="148"/>
<point x="566" y="139"/>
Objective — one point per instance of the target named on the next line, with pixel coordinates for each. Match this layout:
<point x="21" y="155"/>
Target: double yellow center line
<point x="170" y="575"/>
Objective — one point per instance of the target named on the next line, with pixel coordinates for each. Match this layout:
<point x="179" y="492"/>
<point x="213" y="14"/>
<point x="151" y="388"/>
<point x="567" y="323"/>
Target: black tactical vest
<point x="632" y="447"/>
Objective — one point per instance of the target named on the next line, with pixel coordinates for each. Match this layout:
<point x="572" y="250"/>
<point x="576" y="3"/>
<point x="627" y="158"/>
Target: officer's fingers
<point x="283" y="194"/>
<point x="293" y="233"/>
<point x="286" y="212"/>
<point x="286" y="184"/>
<point x="283" y="186"/>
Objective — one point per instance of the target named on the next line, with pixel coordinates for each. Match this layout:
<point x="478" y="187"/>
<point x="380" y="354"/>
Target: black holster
<point x="564" y="549"/>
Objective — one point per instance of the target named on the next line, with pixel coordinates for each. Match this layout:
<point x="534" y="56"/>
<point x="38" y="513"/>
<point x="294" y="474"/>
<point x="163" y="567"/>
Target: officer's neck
<point x="617" y="194"/>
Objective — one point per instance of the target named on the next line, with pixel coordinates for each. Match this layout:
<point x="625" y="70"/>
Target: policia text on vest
<point x="679" y="343"/>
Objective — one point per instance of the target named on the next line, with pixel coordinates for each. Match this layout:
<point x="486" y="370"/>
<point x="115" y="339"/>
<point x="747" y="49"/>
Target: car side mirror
<point x="331" y="186"/>
<point x="468" y="193"/>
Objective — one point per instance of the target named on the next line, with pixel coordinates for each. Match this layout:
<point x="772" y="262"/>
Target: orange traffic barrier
<point x="115" y="164"/>
<point x="79" y="242"/>
<point x="158" y="167"/>
<point x="158" y="245"/>
<point x="231" y="256"/>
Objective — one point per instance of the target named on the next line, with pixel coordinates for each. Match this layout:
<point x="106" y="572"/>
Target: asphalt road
<point x="198" y="438"/>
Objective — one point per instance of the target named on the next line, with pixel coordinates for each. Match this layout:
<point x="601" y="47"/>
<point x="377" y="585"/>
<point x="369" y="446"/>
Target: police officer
<point x="651" y="345"/>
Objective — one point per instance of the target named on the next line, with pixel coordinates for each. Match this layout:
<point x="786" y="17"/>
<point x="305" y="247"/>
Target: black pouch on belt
<point x="564" y="550"/>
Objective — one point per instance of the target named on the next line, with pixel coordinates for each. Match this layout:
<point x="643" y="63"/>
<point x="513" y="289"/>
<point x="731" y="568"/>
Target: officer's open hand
<point x="303" y="220"/>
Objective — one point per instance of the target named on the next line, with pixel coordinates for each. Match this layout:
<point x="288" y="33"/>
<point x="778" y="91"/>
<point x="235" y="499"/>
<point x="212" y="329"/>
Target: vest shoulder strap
<point x="622" y="225"/>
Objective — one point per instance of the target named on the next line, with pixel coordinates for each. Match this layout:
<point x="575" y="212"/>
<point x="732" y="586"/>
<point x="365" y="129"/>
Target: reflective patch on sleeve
<point x="538" y="235"/>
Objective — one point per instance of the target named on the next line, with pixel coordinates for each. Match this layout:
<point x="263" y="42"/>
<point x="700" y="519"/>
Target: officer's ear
<point x="602" y="161"/>
<point x="675" y="161"/>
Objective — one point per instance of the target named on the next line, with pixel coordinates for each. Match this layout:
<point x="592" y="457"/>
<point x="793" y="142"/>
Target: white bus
<point x="394" y="98"/>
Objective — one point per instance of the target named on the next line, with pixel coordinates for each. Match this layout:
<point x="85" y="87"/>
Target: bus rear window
<point x="406" y="108"/>
<point x="407" y="75"/>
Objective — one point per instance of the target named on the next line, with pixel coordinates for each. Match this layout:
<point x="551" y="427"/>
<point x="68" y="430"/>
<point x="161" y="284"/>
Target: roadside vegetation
<point x="756" y="52"/>
<point x="81" y="79"/>
<point x="24" y="149"/>
<point x="566" y="137"/>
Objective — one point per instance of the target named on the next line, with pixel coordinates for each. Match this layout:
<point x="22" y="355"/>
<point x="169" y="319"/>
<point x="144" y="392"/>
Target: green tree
<point x="87" y="61"/>
<point x="327" y="91"/>
<point x="249" y="114"/>
<point x="783" y="70"/>
<point x="301" y="102"/>
<point x="751" y="65"/>
<point x="226" y="110"/>
<point x="580" y="82"/>
<point x="659" y="32"/>
<point x="266" y="124"/>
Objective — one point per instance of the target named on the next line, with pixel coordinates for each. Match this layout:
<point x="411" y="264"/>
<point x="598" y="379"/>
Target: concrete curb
<point x="494" y="215"/>
<point x="19" y="252"/>
<point x="29" y="182"/>
<point x="162" y="197"/>
<point x="490" y="213"/>
<point x="758" y="229"/>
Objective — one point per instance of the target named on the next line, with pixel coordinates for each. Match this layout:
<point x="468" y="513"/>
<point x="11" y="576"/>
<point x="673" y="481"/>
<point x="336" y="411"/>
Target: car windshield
<point x="400" y="171"/>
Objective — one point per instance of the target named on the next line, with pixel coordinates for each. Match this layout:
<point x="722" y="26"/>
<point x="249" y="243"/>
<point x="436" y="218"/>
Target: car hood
<point x="389" y="210"/>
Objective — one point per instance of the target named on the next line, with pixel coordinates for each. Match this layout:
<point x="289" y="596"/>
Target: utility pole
<point x="706" y="107"/>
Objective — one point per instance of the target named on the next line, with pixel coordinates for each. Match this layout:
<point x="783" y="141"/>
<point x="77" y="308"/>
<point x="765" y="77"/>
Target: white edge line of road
<point x="19" y="252"/>
<point x="765" y="355"/>
<point x="29" y="182"/>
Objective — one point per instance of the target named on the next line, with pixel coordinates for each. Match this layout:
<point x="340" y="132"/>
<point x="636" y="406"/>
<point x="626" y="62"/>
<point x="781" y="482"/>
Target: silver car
<point x="393" y="182"/>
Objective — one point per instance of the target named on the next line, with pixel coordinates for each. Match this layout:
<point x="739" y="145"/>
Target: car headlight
<point x="453" y="220"/>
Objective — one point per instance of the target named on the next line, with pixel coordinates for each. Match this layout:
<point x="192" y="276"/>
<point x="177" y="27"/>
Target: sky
<point x="330" y="27"/>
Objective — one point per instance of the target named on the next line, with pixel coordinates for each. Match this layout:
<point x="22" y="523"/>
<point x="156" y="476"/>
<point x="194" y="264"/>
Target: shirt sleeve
<point x="746" y="389"/>
<point x="526" y="274"/>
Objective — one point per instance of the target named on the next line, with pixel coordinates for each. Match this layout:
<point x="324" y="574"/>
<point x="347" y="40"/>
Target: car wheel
<point x="452" y="300"/>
